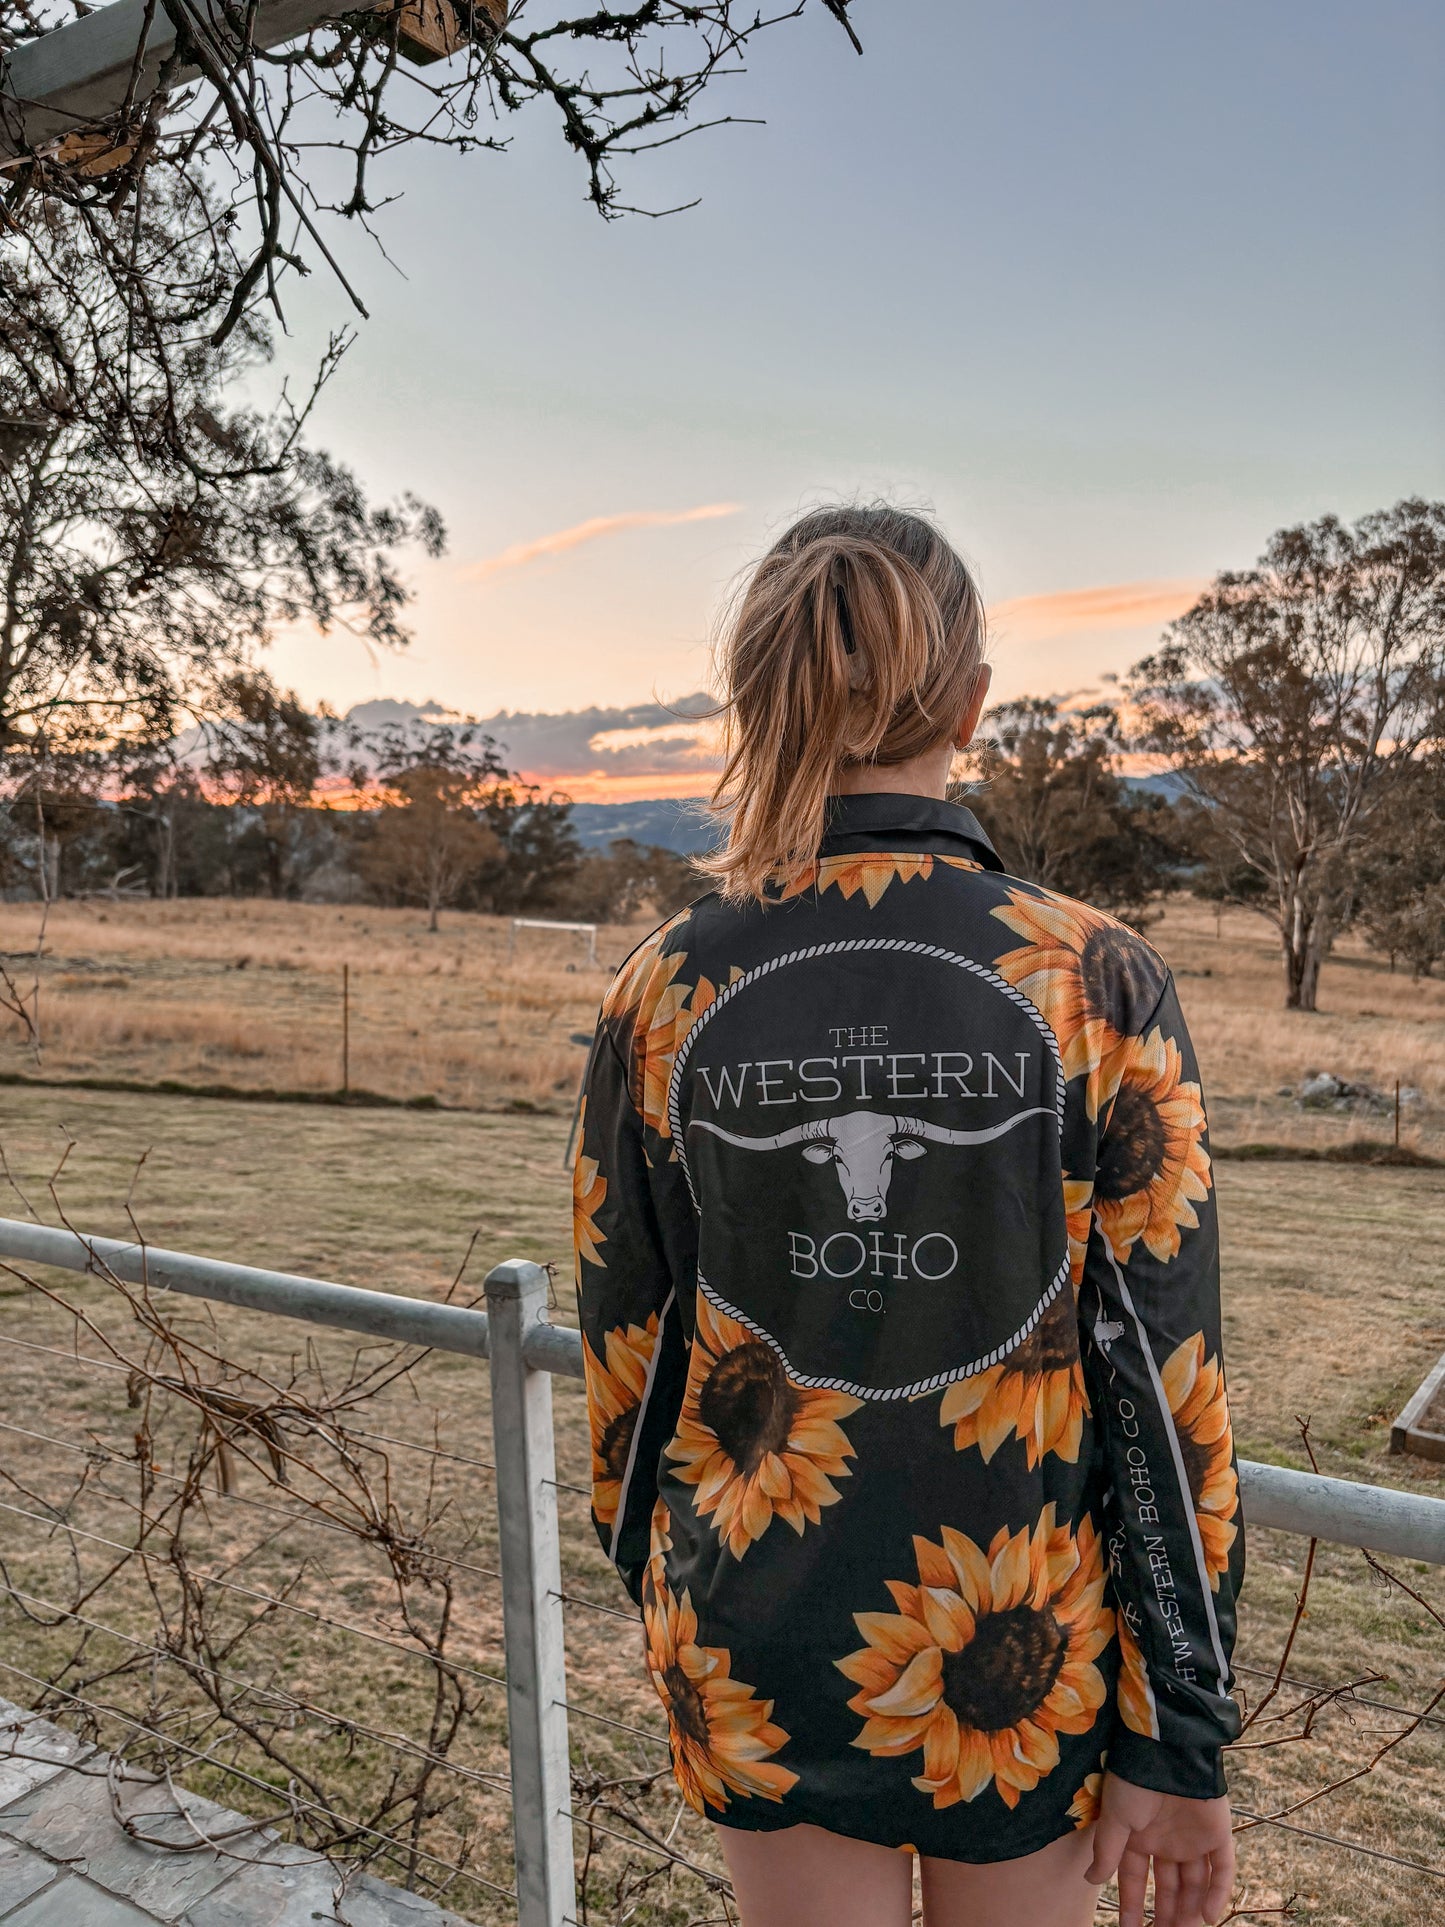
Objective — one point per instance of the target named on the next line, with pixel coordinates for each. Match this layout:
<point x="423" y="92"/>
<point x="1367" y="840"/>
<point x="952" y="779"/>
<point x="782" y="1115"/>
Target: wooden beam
<point x="78" y="76"/>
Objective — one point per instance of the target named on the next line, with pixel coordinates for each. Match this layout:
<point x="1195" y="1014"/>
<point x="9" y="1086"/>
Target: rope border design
<point x="886" y="1395"/>
<point x="907" y="947"/>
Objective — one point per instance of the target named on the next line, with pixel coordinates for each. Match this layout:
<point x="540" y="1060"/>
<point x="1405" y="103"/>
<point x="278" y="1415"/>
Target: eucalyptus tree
<point x="1299" y="700"/>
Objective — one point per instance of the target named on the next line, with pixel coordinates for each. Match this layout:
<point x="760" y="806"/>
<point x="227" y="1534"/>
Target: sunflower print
<point x="1088" y="976"/>
<point x="1153" y="1168"/>
<point x="630" y="984"/>
<point x="871" y="875"/>
<point x="987" y="1660"/>
<point x="723" y="1736"/>
<point x="1036" y="1394"/>
<point x="589" y="1193"/>
<point x="615" y="1385"/>
<point x="660" y="1012"/>
<point x="1084" y="1807"/>
<point x="756" y="1446"/>
<point x="1194" y="1386"/>
<point x="1078" y="1217"/>
<point x="1135" y="1695"/>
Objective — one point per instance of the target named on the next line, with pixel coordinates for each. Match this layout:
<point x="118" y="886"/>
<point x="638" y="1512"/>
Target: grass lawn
<point x="1333" y="1309"/>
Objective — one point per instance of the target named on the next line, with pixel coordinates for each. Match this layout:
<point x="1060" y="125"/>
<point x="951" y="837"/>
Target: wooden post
<point x="1397" y="1113"/>
<point x="346" y="1030"/>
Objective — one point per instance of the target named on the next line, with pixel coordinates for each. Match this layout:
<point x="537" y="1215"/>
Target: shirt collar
<point x="892" y="820"/>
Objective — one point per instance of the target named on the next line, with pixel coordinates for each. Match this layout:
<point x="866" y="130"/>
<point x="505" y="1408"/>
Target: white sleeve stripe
<point x="1171" y="1431"/>
<point x="647" y="1385"/>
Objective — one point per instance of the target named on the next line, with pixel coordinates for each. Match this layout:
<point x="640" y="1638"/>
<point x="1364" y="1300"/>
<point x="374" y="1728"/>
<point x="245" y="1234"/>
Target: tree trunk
<point x="1306" y="942"/>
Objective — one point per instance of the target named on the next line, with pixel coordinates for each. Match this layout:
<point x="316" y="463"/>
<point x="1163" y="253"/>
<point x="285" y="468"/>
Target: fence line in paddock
<point x="524" y="1352"/>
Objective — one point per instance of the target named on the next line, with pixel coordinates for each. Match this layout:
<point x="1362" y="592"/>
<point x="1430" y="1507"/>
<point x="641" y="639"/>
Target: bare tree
<point x="302" y="128"/>
<point x="1296" y="698"/>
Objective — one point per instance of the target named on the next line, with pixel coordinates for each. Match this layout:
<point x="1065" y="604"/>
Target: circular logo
<point x="870" y="1131"/>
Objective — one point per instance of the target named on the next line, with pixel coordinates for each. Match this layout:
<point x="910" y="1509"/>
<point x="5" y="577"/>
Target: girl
<point x="898" y="1273"/>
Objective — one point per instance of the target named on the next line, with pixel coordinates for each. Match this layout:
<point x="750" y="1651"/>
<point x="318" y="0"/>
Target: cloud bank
<point x="646" y="750"/>
<point x="595" y="754"/>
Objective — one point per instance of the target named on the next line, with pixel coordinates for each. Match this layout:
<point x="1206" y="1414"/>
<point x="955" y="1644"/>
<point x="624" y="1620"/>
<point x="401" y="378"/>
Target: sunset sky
<point x="1116" y="288"/>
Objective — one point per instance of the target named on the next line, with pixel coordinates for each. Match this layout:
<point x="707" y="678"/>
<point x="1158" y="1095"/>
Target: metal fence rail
<point x="525" y="1352"/>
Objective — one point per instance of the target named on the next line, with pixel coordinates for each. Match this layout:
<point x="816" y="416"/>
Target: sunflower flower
<point x="1153" y="1167"/>
<point x="987" y="1659"/>
<point x="656" y="1013"/>
<point x="615" y="1384"/>
<point x="722" y="1735"/>
<point x="1036" y="1394"/>
<point x="1084" y="1807"/>
<point x="1135" y="1694"/>
<point x="1090" y="978"/>
<point x="1078" y="1217"/>
<point x="756" y="1446"/>
<point x="868" y="875"/>
<point x="1194" y="1386"/>
<point x="589" y="1192"/>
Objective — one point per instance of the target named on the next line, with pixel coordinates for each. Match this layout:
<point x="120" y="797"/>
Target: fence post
<point x="531" y="1603"/>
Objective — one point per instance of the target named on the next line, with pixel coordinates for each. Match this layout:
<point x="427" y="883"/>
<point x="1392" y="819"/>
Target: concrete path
<point x="66" y="1861"/>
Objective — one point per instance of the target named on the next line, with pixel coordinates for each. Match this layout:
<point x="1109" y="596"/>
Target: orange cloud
<point x="1115" y="605"/>
<point x="592" y="530"/>
<point x="599" y="786"/>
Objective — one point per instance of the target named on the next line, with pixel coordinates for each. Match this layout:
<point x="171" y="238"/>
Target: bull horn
<point x="797" y="1135"/>
<point x="940" y="1134"/>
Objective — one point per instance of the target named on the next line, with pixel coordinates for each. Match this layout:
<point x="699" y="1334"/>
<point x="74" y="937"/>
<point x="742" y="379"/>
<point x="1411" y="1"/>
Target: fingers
<point x="1221" y="1883"/>
<point x="1193" y="1885"/>
<point x="1166" y="1894"/>
<point x="1133" y="1878"/>
<point x="1111" y="1837"/>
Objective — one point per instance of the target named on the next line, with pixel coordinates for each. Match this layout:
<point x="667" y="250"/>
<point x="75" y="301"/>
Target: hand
<point x="1189" y="1841"/>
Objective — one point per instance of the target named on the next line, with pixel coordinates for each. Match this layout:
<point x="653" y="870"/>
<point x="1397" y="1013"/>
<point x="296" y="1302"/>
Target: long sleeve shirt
<point x="897" y="1262"/>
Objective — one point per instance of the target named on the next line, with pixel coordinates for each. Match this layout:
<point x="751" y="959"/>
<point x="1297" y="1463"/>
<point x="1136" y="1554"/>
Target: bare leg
<point x="1044" y="1889"/>
<point x="808" y="1877"/>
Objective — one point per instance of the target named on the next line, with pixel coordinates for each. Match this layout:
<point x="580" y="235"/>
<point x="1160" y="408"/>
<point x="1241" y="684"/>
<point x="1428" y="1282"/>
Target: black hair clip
<point x="844" y="621"/>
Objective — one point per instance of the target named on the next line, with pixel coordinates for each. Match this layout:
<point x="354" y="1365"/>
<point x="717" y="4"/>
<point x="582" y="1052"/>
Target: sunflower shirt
<point x="898" y="1274"/>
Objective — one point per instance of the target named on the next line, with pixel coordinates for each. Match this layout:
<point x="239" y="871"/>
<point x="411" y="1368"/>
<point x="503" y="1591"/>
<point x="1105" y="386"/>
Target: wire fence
<point x="278" y="1571"/>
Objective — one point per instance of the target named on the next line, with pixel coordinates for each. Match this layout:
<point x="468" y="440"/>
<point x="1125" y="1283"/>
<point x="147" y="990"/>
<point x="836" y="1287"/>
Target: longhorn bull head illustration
<point x="863" y="1146"/>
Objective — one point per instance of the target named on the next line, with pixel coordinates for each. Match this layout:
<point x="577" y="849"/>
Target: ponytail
<point x="856" y="640"/>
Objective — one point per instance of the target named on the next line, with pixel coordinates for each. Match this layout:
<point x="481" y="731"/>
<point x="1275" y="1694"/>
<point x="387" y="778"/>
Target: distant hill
<point x="667" y="822"/>
<point x="681" y="825"/>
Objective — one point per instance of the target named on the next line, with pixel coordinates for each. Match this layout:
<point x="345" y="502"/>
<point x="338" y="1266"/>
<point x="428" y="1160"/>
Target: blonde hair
<point x="856" y="640"/>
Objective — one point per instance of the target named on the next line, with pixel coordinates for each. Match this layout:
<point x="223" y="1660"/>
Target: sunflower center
<point x="748" y="1405"/>
<point x="1118" y="977"/>
<point x="685" y="1705"/>
<point x="1132" y="1152"/>
<point x="1006" y="1671"/>
<point x="617" y="1442"/>
<point x="1053" y="1344"/>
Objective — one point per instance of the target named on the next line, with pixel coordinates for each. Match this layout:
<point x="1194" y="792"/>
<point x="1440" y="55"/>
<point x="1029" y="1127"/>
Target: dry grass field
<point x="247" y="996"/>
<point x="1333" y="1309"/>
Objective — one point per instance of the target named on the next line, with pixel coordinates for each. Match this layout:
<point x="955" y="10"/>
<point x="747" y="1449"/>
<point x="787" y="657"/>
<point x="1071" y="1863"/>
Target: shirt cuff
<point x="1193" y="1772"/>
